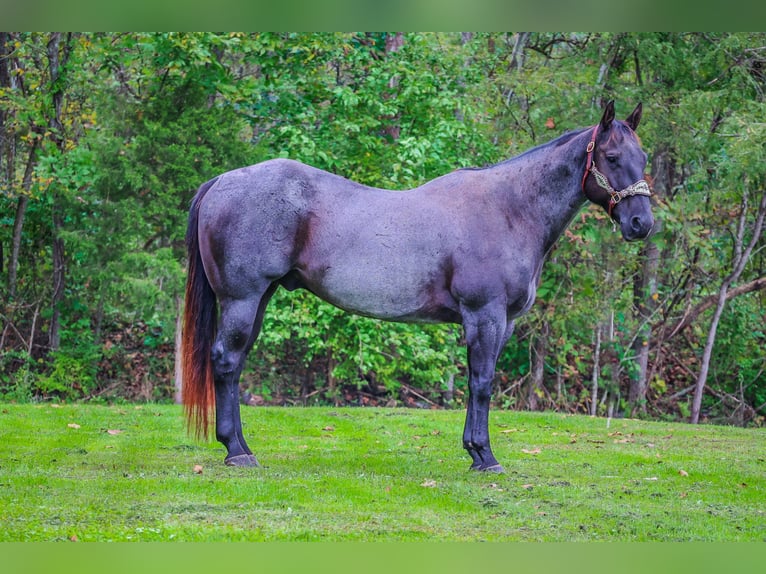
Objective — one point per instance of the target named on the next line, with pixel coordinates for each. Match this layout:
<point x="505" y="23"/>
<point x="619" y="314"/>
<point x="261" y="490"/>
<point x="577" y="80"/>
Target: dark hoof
<point x="242" y="460"/>
<point x="496" y="468"/>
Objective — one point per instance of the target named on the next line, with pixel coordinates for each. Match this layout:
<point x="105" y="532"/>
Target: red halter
<point x="589" y="160"/>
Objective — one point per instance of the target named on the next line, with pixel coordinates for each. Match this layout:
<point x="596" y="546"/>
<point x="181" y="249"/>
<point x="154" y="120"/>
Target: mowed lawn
<point x="130" y="472"/>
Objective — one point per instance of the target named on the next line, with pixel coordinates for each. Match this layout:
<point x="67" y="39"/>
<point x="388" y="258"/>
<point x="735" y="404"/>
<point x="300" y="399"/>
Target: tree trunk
<point x="706" y="354"/>
<point x="449" y="393"/>
<point x="18" y="222"/>
<point x="57" y="59"/>
<point x="520" y="40"/>
<point x="645" y="287"/>
<point x="13" y="261"/>
<point x="7" y="140"/>
<point x="331" y="382"/>
<point x="596" y="372"/>
<point x="178" y="370"/>
<point x="394" y="42"/>
<point x="392" y="127"/>
<point x="54" y="333"/>
<point x="645" y="293"/>
<point x="539" y="349"/>
<point x="6" y="82"/>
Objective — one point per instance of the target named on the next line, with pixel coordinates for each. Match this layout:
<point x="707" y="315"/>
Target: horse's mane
<point x="556" y="142"/>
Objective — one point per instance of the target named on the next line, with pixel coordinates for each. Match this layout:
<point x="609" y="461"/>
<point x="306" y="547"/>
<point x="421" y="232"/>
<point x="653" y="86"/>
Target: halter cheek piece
<point x="641" y="187"/>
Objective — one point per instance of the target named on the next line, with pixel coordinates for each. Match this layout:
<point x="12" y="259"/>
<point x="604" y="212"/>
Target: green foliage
<point x="71" y="374"/>
<point x="146" y="118"/>
<point x="16" y="377"/>
<point x="364" y="351"/>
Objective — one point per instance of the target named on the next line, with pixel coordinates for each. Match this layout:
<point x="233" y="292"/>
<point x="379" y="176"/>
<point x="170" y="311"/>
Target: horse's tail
<point x="199" y="330"/>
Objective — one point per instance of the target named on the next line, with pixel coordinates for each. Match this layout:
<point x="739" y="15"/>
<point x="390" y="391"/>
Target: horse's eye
<point x="611" y="158"/>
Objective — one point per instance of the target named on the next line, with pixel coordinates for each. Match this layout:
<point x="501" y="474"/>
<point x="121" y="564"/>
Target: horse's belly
<point x="378" y="292"/>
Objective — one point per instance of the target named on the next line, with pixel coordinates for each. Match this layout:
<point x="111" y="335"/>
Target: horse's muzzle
<point x="637" y="227"/>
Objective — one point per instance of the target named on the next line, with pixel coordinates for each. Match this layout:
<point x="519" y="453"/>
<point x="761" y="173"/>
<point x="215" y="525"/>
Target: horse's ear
<point x="634" y="118"/>
<point x="608" y="117"/>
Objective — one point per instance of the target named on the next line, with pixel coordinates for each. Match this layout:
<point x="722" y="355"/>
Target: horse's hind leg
<point x="238" y="328"/>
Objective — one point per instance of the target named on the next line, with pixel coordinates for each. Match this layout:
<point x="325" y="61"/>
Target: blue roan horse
<point x="464" y="248"/>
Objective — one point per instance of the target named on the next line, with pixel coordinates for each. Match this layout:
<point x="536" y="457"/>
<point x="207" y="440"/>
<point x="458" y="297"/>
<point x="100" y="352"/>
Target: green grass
<point x="374" y="474"/>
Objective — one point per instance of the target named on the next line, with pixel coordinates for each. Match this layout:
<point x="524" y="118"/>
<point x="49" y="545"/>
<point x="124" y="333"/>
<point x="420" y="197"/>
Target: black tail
<point x="199" y="329"/>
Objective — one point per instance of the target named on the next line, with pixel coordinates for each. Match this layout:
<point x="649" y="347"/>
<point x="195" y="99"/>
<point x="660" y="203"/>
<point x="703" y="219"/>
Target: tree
<point x="744" y="169"/>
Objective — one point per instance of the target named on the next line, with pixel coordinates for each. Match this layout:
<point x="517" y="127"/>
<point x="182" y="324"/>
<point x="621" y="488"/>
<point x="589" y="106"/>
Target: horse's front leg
<point x="486" y="331"/>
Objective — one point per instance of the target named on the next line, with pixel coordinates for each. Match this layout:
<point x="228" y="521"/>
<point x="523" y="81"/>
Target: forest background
<point x="104" y="139"/>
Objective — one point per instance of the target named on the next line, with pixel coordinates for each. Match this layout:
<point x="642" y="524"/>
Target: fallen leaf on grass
<point x="198" y="469"/>
<point x="510" y="431"/>
<point x="73" y="538"/>
<point x="533" y="451"/>
<point x="527" y="486"/>
<point x="73" y="426"/>
<point x="113" y="431"/>
<point x="622" y="440"/>
<point x="328" y="428"/>
<point x="428" y="483"/>
<point x="682" y="472"/>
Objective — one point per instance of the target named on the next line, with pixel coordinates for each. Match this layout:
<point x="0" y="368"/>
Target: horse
<point x="465" y="248"/>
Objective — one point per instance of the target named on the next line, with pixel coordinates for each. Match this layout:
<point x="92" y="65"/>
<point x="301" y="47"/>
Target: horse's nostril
<point x="636" y="223"/>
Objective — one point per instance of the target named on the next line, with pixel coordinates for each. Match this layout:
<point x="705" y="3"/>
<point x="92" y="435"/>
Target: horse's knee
<point x="480" y="387"/>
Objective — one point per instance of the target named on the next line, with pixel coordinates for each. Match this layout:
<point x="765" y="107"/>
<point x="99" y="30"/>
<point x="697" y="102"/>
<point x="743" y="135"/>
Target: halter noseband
<point x="641" y="187"/>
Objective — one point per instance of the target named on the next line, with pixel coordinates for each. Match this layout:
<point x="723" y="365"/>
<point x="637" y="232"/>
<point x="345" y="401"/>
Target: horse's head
<point x="614" y="176"/>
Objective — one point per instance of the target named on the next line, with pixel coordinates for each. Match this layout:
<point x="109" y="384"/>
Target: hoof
<point x="242" y="460"/>
<point x="496" y="468"/>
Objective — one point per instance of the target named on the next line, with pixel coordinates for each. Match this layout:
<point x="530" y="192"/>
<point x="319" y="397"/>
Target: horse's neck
<point x="548" y="184"/>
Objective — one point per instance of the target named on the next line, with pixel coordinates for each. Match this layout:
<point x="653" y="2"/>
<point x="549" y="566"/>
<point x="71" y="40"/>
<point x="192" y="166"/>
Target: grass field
<point x="85" y="472"/>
